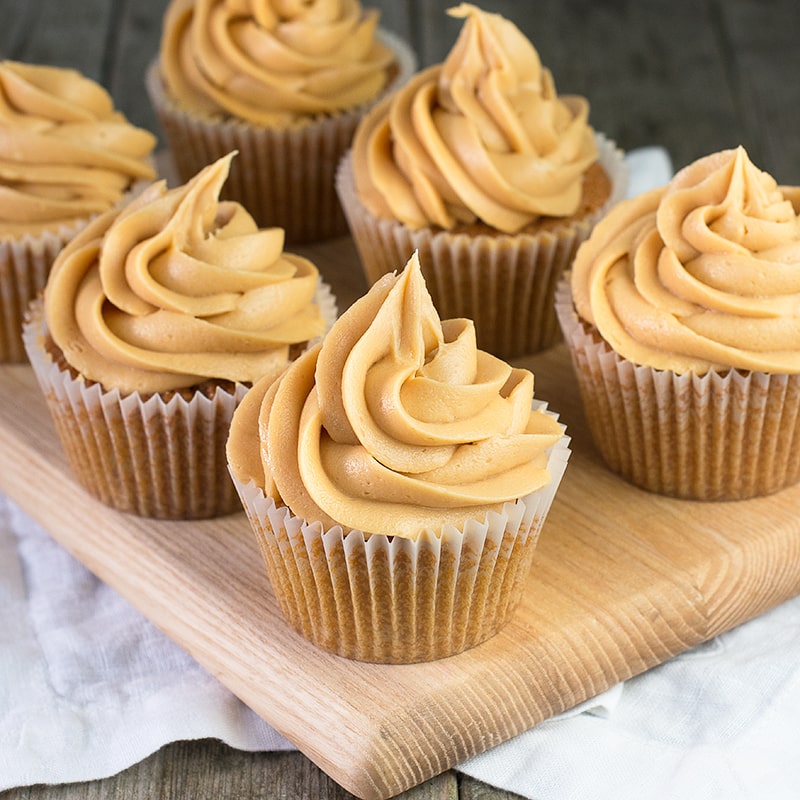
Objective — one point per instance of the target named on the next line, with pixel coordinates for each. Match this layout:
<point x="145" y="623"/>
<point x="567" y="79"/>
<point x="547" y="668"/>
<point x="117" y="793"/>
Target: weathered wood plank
<point x="693" y="77"/>
<point x="133" y="44"/>
<point x="762" y="59"/>
<point x="470" y="789"/>
<point x="67" y="33"/>
<point x="210" y="770"/>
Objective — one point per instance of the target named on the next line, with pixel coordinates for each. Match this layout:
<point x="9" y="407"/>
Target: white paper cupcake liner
<point x="388" y="599"/>
<point x="719" y="436"/>
<point x="25" y="264"/>
<point x="153" y="457"/>
<point x="504" y="283"/>
<point x="284" y="178"/>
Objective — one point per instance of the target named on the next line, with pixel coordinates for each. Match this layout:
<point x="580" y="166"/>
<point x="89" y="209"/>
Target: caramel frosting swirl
<point x="65" y="153"/>
<point x="178" y="288"/>
<point x="275" y="63"/>
<point x="701" y="274"/>
<point x="482" y="137"/>
<point x="396" y="423"/>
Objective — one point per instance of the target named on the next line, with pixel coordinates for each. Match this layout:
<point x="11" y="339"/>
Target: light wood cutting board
<point x="622" y="581"/>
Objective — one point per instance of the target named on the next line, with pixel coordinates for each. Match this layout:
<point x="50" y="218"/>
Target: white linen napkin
<point x="89" y="687"/>
<point x="719" y="722"/>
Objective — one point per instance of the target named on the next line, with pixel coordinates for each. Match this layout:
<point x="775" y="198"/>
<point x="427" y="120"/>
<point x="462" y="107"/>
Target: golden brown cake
<point x="285" y="85"/>
<point x="682" y="317"/>
<point x="155" y="321"/>
<point x="397" y="479"/>
<point x="479" y="164"/>
<point x="67" y="155"/>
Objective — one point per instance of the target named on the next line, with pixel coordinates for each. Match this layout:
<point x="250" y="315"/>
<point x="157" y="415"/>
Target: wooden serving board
<point x="622" y="580"/>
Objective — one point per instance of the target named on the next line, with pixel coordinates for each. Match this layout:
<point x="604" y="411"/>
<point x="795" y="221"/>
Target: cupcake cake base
<point x="389" y="599"/>
<point x="285" y="178"/>
<point x="718" y="436"/>
<point x="24" y="267"/>
<point x="160" y="456"/>
<point x="505" y="283"/>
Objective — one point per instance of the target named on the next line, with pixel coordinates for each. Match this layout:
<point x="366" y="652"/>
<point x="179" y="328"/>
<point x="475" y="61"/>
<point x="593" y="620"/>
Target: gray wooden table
<point x="693" y="76"/>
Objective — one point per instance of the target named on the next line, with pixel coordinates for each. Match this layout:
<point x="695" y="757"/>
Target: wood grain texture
<point x="622" y="581"/>
<point x="210" y="770"/>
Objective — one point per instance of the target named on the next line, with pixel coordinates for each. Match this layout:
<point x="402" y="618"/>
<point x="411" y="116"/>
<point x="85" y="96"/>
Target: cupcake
<point x="493" y="177"/>
<point x="155" y="321"/>
<point x="681" y="314"/>
<point x="285" y="85"/>
<point x="67" y="156"/>
<point x="397" y="479"/>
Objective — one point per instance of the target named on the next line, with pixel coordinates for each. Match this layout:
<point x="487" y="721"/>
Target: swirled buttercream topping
<point x="272" y="62"/>
<point x="396" y="423"/>
<point x="178" y="288"/>
<point x="482" y="137"/>
<point x="702" y="274"/>
<point x="65" y="153"/>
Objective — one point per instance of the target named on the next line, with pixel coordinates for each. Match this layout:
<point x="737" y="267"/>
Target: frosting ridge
<point x="483" y="136"/>
<point x="65" y="153"/>
<point x="396" y="422"/>
<point x="701" y="274"/>
<point x="178" y="288"/>
<point x="272" y="62"/>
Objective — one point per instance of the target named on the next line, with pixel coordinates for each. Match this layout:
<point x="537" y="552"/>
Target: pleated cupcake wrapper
<point x="504" y="283"/>
<point x="720" y="436"/>
<point x="284" y="178"/>
<point x="151" y="457"/>
<point x="25" y="264"/>
<point x="388" y="599"/>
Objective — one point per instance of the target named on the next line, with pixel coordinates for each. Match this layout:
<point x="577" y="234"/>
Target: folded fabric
<point x="88" y="686"/>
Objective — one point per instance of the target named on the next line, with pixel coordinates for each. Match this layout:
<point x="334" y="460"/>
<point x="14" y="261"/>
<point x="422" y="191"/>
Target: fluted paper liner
<point x="25" y="264"/>
<point x="284" y="178"/>
<point x="388" y="599"/>
<point x="153" y="457"/>
<point x="719" y="436"/>
<point x="505" y="283"/>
